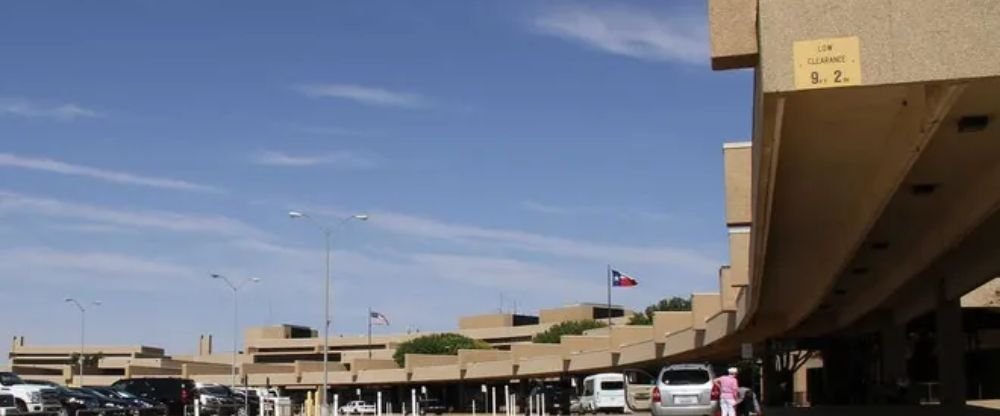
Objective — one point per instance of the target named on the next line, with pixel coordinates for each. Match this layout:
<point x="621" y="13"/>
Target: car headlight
<point x="35" y="396"/>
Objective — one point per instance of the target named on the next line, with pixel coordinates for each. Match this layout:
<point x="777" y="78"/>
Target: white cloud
<point x="404" y="224"/>
<point x="365" y="95"/>
<point x="92" y="266"/>
<point x="569" y="211"/>
<point x="61" y="112"/>
<point x="14" y="203"/>
<point x="341" y="159"/>
<point x="55" y="166"/>
<point x="641" y="34"/>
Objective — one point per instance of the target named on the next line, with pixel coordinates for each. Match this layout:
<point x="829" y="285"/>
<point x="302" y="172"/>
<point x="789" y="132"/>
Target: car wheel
<point x="22" y="407"/>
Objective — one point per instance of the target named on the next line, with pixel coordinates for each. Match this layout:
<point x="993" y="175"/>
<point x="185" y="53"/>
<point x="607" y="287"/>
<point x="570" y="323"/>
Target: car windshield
<point x="125" y="394"/>
<point x="612" y="385"/>
<point x="10" y="379"/>
<point x="685" y="377"/>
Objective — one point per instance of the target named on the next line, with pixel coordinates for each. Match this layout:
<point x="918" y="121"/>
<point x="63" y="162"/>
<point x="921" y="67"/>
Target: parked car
<point x="32" y="398"/>
<point x="677" y="390"/>
<point x="249" y="398"/>
<point x="358" y="407"/>
<point x="174" y="393"/>
<point x="139" y="406"/>
<point x="74" y="403"/>
<point x="218" y="400"/>
<point x="107" y="406"/>
<point x="603" y="392"/>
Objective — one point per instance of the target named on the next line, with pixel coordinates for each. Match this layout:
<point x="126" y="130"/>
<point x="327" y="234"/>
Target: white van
<point x="603" y="392"/>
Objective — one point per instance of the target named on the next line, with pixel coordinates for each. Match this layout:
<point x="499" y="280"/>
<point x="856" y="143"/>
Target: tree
<point x="666" y="304"/>
<point x="437" y="344"/>
<point x="555" y="332"/>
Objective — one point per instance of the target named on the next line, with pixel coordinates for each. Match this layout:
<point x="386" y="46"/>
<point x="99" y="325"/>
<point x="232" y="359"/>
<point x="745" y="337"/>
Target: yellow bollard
<point x="308" y="405"/>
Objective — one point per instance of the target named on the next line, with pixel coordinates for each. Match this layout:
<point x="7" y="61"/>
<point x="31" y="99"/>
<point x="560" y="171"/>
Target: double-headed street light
<point x="327" y="233"/>
<point x="236" y="313"/>
<point x="83" y="328"/>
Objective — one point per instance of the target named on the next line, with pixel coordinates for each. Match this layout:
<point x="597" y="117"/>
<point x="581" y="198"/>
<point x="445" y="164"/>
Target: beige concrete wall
<point x="493" y="320"/>
<point x="469" y="356"/>
<point x="569" y="313"/>
<point x="307" y="366"/>
<point x="436" y="373"/>
<point x="737" y="163"/>
<point x="541" y="366"/>
<point x="726" y="288"/>
<point x="623" y="335"/>
<point x="665" y="323"/>
<point x="719" y="325"/>
<point x="639" y="352"/>
<point x="591" y="360"/>
<point x="901" y="42"/>
<point x="703" y="306"/>
<point x="578" y="343"/>
<point x="192" y="369"/>
<point x="739" y="256"/>
<point x="428" y="360"/>
<point x="361" y="364"/>
<point x="268" y="368"/>
<point x="733" y="28"/>
<point x="524" y="351"/>
<point x="985" y="295"/>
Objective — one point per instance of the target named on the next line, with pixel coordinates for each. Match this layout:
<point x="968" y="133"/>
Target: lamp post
<point x="236" y="314"/>
<point x="83" y="328"/>
<point x="327" y="233"/>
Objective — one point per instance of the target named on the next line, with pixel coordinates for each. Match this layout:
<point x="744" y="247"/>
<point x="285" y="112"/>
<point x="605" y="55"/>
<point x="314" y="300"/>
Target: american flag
<point x="377" y="318"/>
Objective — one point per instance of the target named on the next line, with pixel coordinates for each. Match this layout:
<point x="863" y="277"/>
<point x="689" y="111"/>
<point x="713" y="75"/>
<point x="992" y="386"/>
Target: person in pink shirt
<point x="729" y="392"/>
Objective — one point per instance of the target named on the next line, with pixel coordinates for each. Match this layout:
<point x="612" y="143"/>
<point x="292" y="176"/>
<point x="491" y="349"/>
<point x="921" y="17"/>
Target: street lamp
<point x="327" y="233"/>
<point x="83" y="327"/>
<point x="236" y="313"/>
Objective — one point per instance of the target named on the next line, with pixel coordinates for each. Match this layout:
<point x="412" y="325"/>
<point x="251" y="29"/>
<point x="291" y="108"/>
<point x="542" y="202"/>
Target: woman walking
<point x="729" y="392"/>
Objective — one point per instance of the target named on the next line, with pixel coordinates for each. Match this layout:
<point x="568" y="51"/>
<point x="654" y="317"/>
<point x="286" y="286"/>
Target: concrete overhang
<point x="855" y="182"/>
<point x="385" y="376"/>
<point x="542" y="366"/>
<point x="640" y="352"/>
<point x="593" y="360"/>
<point x="500" y="369"/>
<point x="449" y="372"/>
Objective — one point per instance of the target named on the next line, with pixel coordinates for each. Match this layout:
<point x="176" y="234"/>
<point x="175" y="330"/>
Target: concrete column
<point x="950" y="338"/>
<point x="893" y="348"/>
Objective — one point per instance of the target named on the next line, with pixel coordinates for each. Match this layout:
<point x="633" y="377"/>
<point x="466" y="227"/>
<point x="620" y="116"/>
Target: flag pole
<point x="369" y="332"/>
<point x="609" y="297"/>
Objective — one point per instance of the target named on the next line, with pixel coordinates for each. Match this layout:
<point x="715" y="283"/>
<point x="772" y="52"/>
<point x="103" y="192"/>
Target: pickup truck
<point x="7" y="406"/>
<point x="30" y="398"/>
<point x="358" y="407"/>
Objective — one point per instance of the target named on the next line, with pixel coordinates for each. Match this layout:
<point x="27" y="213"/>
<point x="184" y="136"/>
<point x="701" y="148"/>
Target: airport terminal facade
<point x="861" y="215"/>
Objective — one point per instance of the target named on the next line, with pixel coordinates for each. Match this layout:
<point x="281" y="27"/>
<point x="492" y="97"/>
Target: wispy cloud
<point x="55" y="166"/>
<point x="12" y="203"/>
<point x="568" y="211"/>
<point x="65" y="266"/>
<point x="340" y="159"/>
<point x="363" y="94"/>
<point x="403" y="224"/>
<point x="503" y="273"/>
<point x="641" y="34"/>
<point x="31" y="109"/>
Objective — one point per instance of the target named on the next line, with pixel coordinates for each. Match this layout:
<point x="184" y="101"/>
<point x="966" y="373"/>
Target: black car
<point x="106" y="405"/>
<point x="431" y="406"/>
<point x="74" y="402"/>
<point x="174" y="393"/>
<point x="139" y="406"/>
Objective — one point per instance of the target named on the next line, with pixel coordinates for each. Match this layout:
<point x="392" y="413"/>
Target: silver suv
<point x="678" y="390"/>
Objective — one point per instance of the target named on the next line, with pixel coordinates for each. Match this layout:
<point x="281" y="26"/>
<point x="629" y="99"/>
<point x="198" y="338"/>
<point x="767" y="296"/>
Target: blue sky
<point x="511" y="148"/>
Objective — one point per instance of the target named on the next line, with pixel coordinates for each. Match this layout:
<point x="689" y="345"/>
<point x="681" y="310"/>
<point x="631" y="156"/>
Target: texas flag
<point x="377" y="318"/>
<point x="619" y="279"/>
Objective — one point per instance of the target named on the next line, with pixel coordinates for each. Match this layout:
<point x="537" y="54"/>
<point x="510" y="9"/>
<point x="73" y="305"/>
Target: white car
<point x="29" y="398"/>
<point x="603" y="393"/>
<point x="358" y="407"/>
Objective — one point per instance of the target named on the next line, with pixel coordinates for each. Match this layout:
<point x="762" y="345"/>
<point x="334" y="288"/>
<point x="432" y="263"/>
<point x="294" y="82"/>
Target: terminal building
<point x="863" y="228"/>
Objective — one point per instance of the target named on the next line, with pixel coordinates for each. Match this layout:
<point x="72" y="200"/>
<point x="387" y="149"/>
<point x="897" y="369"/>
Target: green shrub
<point x="437" y="344"/>
<point x="667" y="304"/>
<point x="553" y="334"/>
